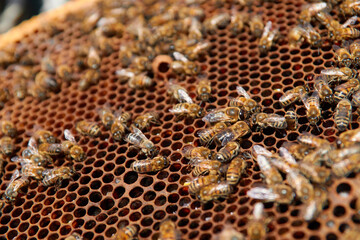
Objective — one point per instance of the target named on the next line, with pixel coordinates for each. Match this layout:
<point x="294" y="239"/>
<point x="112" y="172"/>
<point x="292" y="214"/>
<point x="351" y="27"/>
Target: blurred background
<point x="13" y="12"/>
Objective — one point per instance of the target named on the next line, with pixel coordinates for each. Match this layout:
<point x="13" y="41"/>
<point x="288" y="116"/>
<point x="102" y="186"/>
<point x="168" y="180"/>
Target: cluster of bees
<point x="37" y="159"/>
<point x="8" y="132"/>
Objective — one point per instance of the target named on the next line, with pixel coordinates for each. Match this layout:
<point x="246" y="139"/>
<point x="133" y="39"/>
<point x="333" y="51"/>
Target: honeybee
<point x="312" y="105"/>
<point x="140" y="81"/>
<point x="55" y="176"/>
<point x="228" y="152"/>
<point x="291" y="119"/>
<point x="141" y="64"/>
<point x="350" y="7"/>
<point x="4" y="97"/>
<point x="245" y="102"/>
<point x="214" y="191"/>
<point x="355" y="52"/>
<point x="349" y="137"/>
<point x="122" y="116"/>
<point x="182" y="66"/>
<point x="237" y="21"/>
<point x="292" y="95"/>
<point x="86" y="128"/>
<point x="179" y="93"/>
<point x="232" y="133"/>
<point x="271" y="174"/>
<point x="229" y="233"/>
<point x="150" y="165"/>
<point x="194" y="51"/>
<point x="315" y="206"/>
<point x="303" y="188"/>
<point x="71" y="148"/>
<point x="195" y="30"/>
<point x="109" y="27"/>
<point x="191" y="152"/>
<point x="74" y="236"/>
<point x="46" y="81"/>
<point x="236" y="168"/>
<point x="106" y="116"/>
<point x="191" y="110"/>
<point x="257" y="226"/>
<point x="299" y="151"/>
<point x="203" y="90"/>
<point x="139" y="140"/>
<point x="280" y="193"/>
<point x="304" y="32"/>
<point x="48" y="65"/>
<point x="219" y="20"/>
<point x="338" y="154"/>
<point x="342" y="115"/>
<point x="20" y="89"/>
<point x="264" y="120"/>
<point x="200" y="182"/>
<point x="35" y="156"/>
<point x="125" y="75"/>
<point x="32" y="171"/>
<point x="7" y="127"/>
<point x="351" y="234"/>
<point x="256" y="25"/>
<point x="323" y="89"/>
<point x="118" y="129"/>
<point x="93" y="59"/>
<point x="345" y="167"/>
<point x="342" y="33"/>
<point x="309" y="10"/>
<point x="317" y="174"/>
<point x="346" y="89"/>
<point x="38" y="92"/>
<point x="268" y="38"/>
<point x="168" y="231"/>
<point x="207" y="135"/>
<point x="126" y="233"/>
<point x="204" y="167"/>
<point x="312" y="141"/>
<point x="342" y="56"/>
<point x="228" y="114"/>
<point x="144" y="121"/>
<point x="64" y="72"/>
<point x="42" y="136"/>
<point x="126" y="55"/>
<point x="91" y="77"/>
<point x="15" y="186"/>
<point x="6" y="145"/>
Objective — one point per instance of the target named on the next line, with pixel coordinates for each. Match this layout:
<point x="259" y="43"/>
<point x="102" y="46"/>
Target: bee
<point x="200" y="182"/>
<point x="342" y="115"/>
<point x="342" y="33"/>
<point x="245" y="102"/>
<point x="343" y="153"/>
<point x="355" y="52"/>
<point x="309" y="10"/>
<point x="150" y="165"/>
<point x="204" y="167"/>
<point x="232" y="133"/>
<point x="323" y="89"/>
<point x="236" y="168"/>
<point x="237" y="21"/>
<point x="312" y="105"/>
<point x="214" y="191"/>
<point x="228" y="114"/>
<point x="126" y="54"/>
<point x="32" y="171"/>
<point x="342" y="56"/>
<point x="256" y="25"/>
<point x="264" y="120"/>
<point x="52" y="149"/>
<point x="91" y="77"/>
<point x="335" y="75"/>
<point x="314" y="207"/>
<point x="350" y="7"/>
<point x="195" y="30"/>
<point x="64" y="72"/>
<point x="299" y="151"/>
<point x="109" y="27"/>
<point x="106" y="116"/>
<point x="312" y="141"/>
<point x="4" y="97"/>
<point x="125" y="75"/>
<point x="191" y="110"/>
<point x="127" y="233"/>
<point x="138" y="139"/>
<point x="228" y="152"/>
<point x="20" y="90"/>
<point x="15" y="186"/>
<point x="346" y="166"/>
<point x="38" y="92"/>
<point x="271" y="174"/>
<point x="141" y="64"/>
<point x="86" y="128"/>
<point x="122" y="116"/>
<point x="292" y="95"/>
<point x="48" y="65"/>
<point x="302" y="33"/>
<point x="144" y="121"/>
<point x="55" y="176"/>
<point x="194" y="51"/>
<point x="74" y="236"/>
<point x="317" y="174"/>
<point x="220" y="20"/>
<point x="71" y="148"/>
<point x="168" y="231"/>
<point x="207" y="135"/>
<point x="279" y="193"/>
<point x="140" y="81"/>
<point x="303" y="188"/>
<point x="268" y="38"/>
<point x="93" y="59"/>
<point x="291" y="119"/>
<point x="118" y="129"/>
<point x="229" y="233"/>
<point x="37" y="158"/>
<point x="7" y="127"/>
<point x="183" y="66"/>
<point x="6" y="145"/>
<point x="179" y="93"/>
<point x="46" y="81"/>
<point x="349" y="138"/>
<point x="351" y="234"/>
<point x="42" y="136"/>
<point x="257" y="226"/>
<point x="346" y="89"/>
<point x="191" y="152"/>
<point x="203" y="90"/>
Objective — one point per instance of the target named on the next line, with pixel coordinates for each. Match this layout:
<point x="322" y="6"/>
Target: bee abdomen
<point x="142" y="166"/>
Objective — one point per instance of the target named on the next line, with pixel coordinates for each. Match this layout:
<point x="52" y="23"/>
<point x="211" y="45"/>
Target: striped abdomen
<point x="342" y="114"/>
<point x="197" y="184"/>
<point x="228" y="152"/>
<point x="50" y="148"/>
<point x="6" y="145"/>
<point x="236" y="168"/>
<point x="291" y="120"/>
<point x="88" y="128"/>
<point x="142" y="166"/>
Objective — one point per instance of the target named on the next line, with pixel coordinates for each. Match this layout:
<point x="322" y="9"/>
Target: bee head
<point x="200" y="112"/>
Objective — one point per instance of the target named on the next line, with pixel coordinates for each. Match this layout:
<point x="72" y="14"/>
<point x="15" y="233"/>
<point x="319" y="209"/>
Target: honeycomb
<point x="106" y="193"/>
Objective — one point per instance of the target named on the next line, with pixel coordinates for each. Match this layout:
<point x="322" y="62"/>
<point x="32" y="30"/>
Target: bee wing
<point x="332" y="72"/>
<point x="345" y="86"/>
<point x="215" y="116"/>
<point x="309" y="211"/>
<point x="32" y="145"/>
<point x="267" y="29"/>
<point x="287" y="96"/>
<point x="105" y="108"/>
<point x="241" y="91"/>
<point x="304" y="99"/>
<point x="180" y="57"/>
<point x="287" y="155"/>
<point x="336" y="47"/>
<point x="262" y="193"/>
<point x="22" y="161"/>
<point x="350" y="21"/>
<point x="258" y="211"/>
<point x="260" y="150"/>
<point x="179" y="110"/>
<point x="15" y="175"/>
<point x="125" y="73"/>
<point x="139" y="133"/>
<point x="315" y="6"/>
<point x="274" y="118"/>
<point x="69" y="136"/>
<point x="185" y="96"/>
